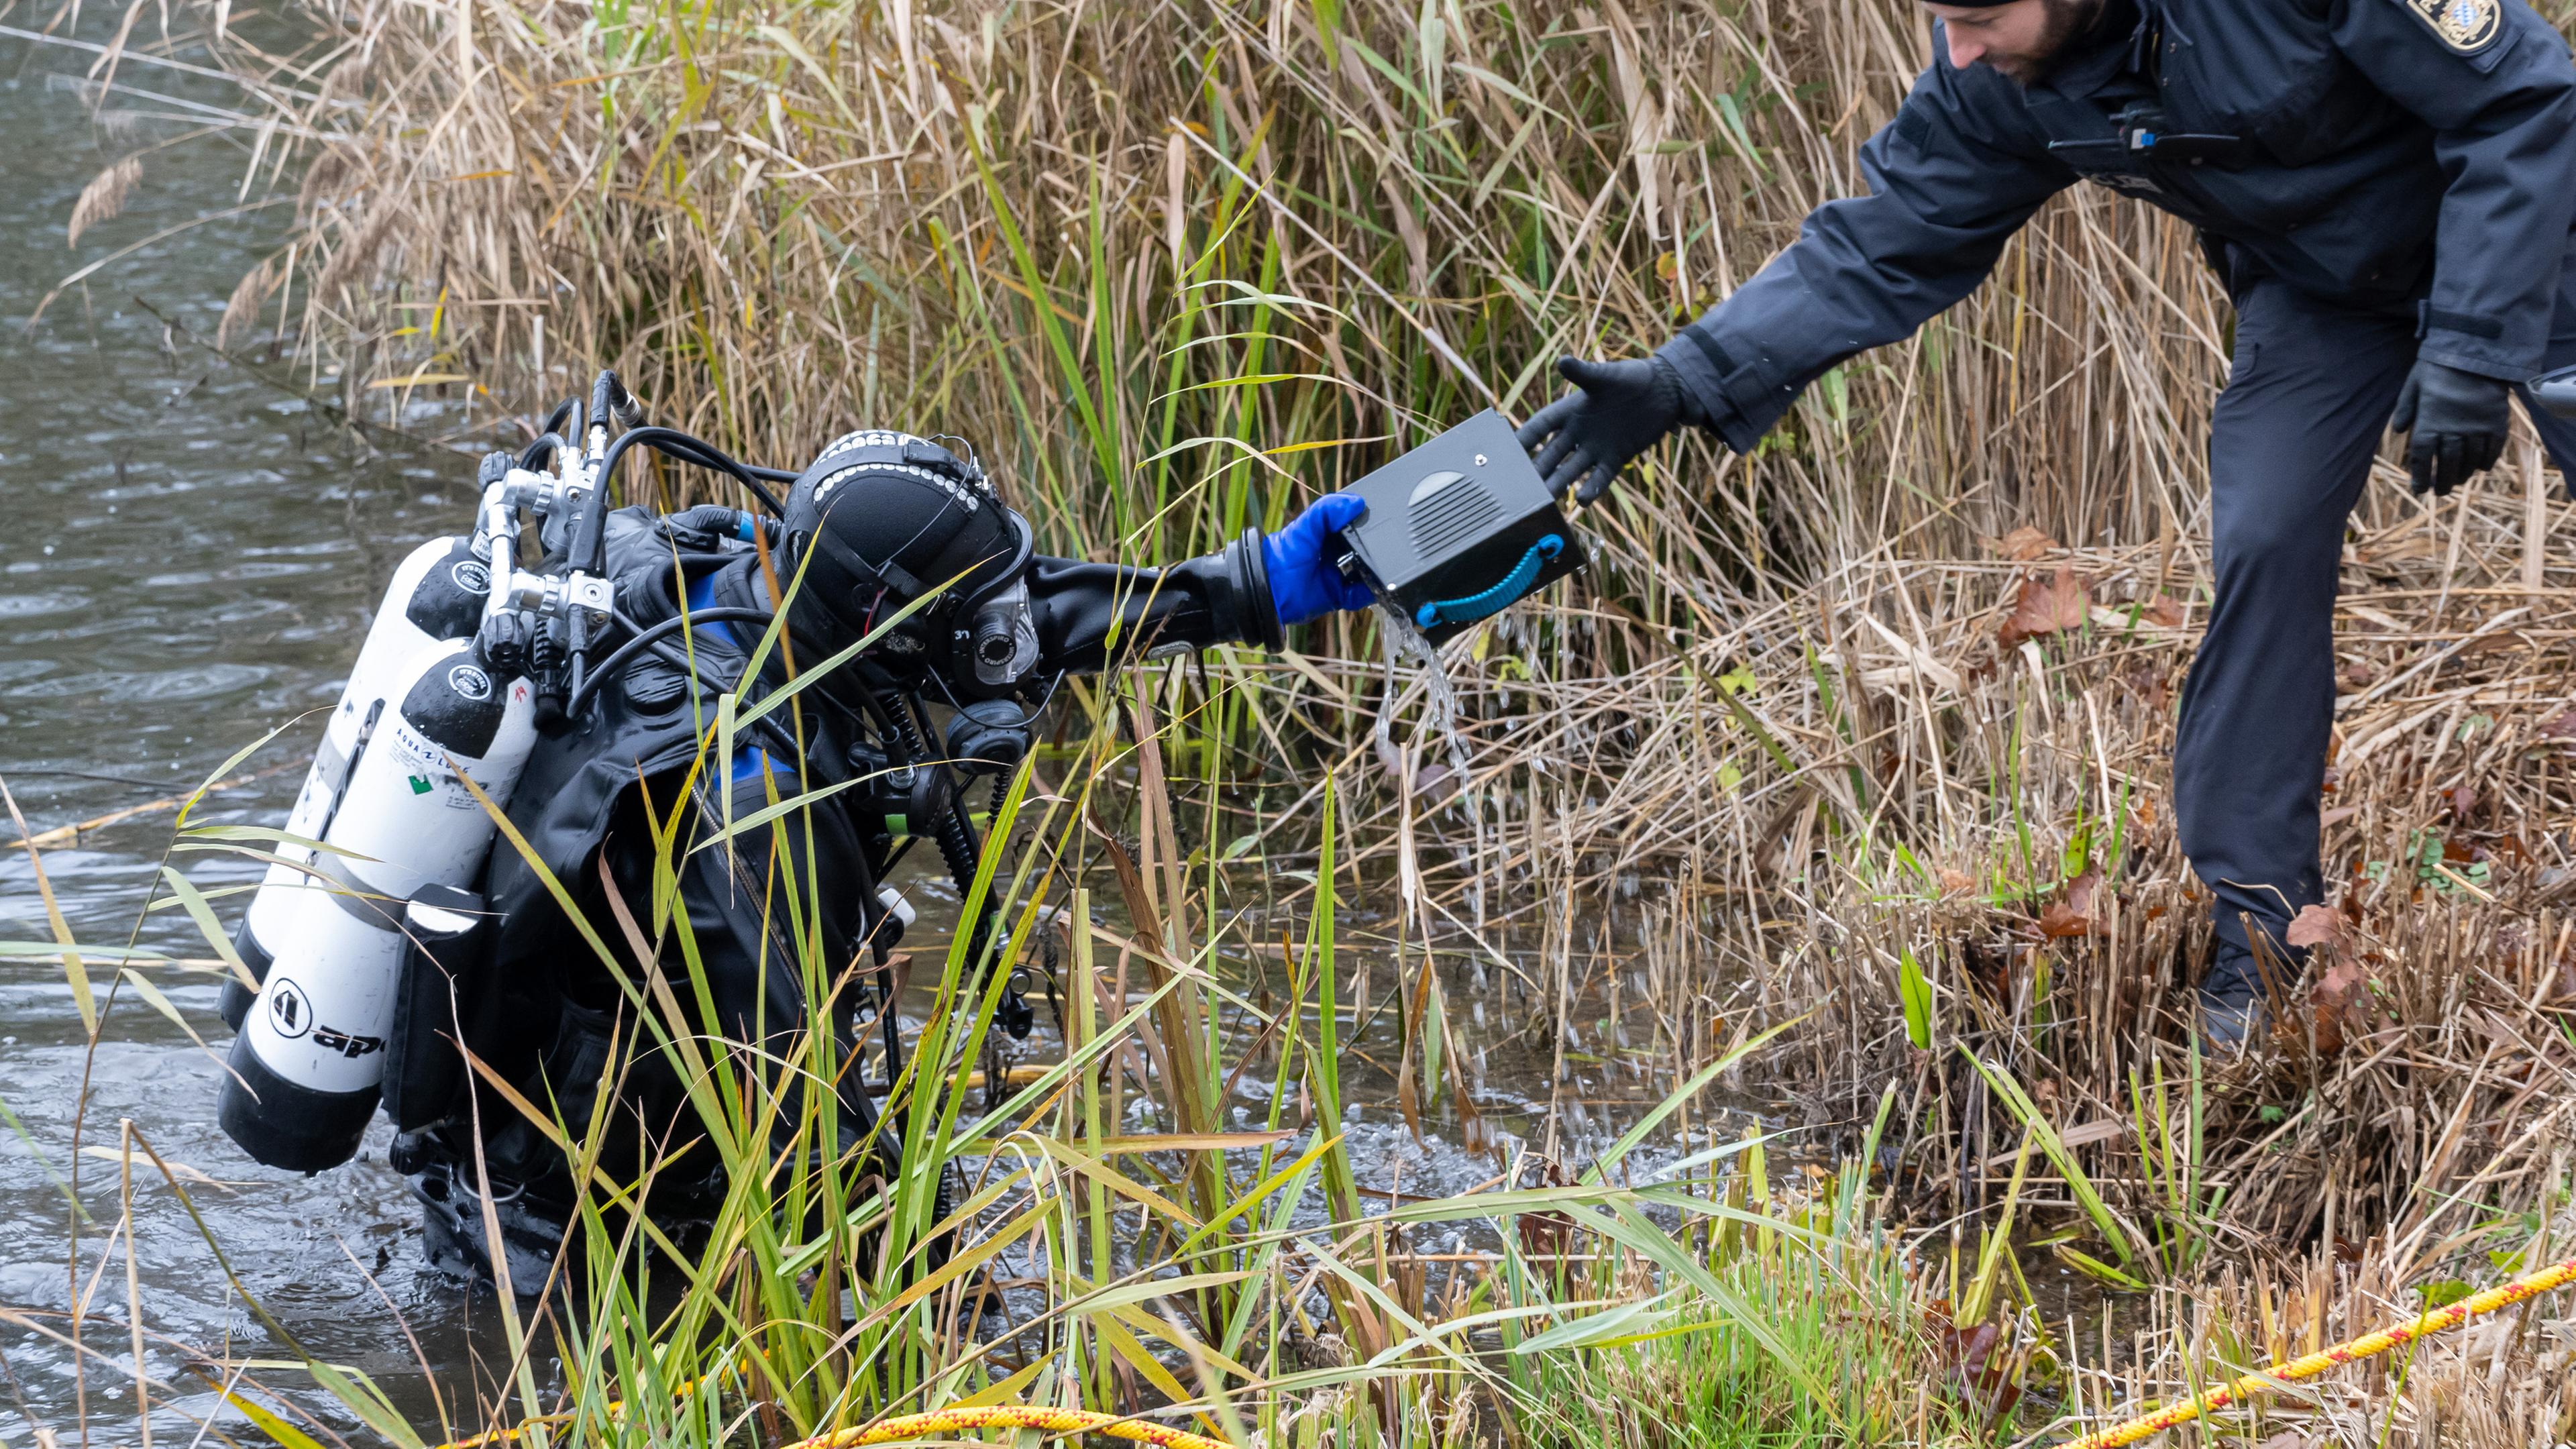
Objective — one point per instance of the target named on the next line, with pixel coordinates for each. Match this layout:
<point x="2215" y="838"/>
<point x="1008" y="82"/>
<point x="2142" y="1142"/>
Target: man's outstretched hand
<point x="1617" y="410"/>
<point x="2455" y="424"/>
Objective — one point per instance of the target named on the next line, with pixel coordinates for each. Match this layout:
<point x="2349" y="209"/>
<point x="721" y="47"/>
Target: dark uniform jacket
<point x="2412" y="155"/>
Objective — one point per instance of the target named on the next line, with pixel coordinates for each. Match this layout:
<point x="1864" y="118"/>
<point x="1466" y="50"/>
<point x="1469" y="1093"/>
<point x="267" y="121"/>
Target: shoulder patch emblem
<point x="2466" y="26"/>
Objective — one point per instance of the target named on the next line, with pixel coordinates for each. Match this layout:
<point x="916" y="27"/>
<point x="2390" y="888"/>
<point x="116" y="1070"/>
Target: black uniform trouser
<point x="2289" y="449"/>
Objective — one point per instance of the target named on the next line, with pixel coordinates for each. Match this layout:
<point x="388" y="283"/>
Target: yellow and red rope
<point x="1011" y="1416"/>
<point x="941" y="1421"/>
<point x="937" y="1422"/>
<point x="2440" y="1320"/>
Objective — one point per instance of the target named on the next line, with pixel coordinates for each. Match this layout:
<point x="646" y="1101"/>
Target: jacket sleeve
<point x="1951" y="178"/>
<point x="1091" y="616"/>
<point x="2503" y="113"/>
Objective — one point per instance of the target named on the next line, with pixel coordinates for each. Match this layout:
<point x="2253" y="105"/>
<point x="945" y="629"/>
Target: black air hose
<point x="725" y="521"/>
<point x="951" y="831"/>
<point x="588" y="546"/>
<point x="649" y="637"/>
<point x="605" y="394"/>
<point x="690" y="450"/>
<point x="542" y="450"/>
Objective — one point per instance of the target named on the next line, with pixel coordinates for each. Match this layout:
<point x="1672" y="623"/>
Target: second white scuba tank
<point x="310" y="1057"/>
<point x="437" y="594"/>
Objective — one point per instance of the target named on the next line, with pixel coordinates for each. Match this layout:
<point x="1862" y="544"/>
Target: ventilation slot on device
<point x="1451" y="516"/>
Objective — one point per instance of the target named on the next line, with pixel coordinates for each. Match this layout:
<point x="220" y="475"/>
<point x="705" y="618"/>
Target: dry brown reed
<point x="1178" y="267"/>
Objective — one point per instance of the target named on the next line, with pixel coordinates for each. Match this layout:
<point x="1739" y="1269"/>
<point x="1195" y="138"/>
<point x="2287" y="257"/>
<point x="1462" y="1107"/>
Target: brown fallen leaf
<point x="2046" y="608"/>
<point x="2072" y="913"/>
<point x="2162" y="612"/>
<point x="2336" y="1000"/>
<point x="2316" y="926"/>
<point x="1981" y="1363"/>
<point x="1955" y="883"/>
<point x="2058" y="923"/>
<point x="2081" y="891"/>
<point x="2559" y="726"/>
<point x="2025" y="543"/>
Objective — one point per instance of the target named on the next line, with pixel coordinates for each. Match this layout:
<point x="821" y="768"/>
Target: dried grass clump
<point x="1813" y="714"/>
<point x="104" y="198"/>
<point x="1318" y="243"/>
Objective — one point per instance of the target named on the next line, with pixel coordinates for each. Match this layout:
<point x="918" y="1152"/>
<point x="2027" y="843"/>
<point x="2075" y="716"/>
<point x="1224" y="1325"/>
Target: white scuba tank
<point x="437" y="594"/>
<point x="310" y="1056"/>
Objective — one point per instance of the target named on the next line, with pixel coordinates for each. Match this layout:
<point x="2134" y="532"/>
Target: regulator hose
<point x="606" y="392"/>
<point x="542" y="449"/>
<point x="745" y="474"/>
<point x="874" y="687"/>
<point x="951" y="831"/>
<point x="959" y="849"/>
<point x="674" y="443"/>
<point x="650" y="634"/>
<point x="713" y="518"/>
<point x="567" y="411"/>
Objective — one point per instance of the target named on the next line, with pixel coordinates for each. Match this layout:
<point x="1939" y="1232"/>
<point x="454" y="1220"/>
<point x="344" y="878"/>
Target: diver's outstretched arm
<point x="1091" y="616"/>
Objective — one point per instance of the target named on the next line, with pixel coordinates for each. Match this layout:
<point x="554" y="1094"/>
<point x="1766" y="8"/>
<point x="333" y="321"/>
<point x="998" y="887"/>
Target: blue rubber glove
<point x="1299" y="558"/>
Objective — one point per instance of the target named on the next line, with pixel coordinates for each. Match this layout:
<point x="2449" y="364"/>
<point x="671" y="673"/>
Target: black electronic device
<point x="1459" y="529"/>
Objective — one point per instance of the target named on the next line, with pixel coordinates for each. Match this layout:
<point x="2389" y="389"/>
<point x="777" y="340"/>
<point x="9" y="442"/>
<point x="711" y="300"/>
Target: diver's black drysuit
<point x="543" y="1011"/>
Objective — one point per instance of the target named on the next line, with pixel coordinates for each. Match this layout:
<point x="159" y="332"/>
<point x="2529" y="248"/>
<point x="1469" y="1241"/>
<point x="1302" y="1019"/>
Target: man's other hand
<point x="1300" y="559"/>
<point x="2455" y="425"/>
<point x="1617" y="410"/>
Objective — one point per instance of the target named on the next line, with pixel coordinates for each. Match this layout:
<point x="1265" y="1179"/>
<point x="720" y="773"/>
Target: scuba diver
<point x="588" y="688"/>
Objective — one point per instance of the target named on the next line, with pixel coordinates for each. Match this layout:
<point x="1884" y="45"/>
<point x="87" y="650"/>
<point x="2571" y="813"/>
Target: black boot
<point x="2231" y="999"/>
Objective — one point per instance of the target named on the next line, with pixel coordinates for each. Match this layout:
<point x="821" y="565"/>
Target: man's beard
<point x="2068" y="21"/>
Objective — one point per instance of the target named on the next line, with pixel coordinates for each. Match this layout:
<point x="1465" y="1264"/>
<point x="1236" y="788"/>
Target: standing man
<point x="2386" y="187"/>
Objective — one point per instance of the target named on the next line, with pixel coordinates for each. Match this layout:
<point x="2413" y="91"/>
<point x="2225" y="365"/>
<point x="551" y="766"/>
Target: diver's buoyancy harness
<point x="470" y="656"/>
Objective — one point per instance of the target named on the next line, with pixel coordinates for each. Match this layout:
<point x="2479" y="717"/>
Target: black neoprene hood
<point x="881" y="518"/>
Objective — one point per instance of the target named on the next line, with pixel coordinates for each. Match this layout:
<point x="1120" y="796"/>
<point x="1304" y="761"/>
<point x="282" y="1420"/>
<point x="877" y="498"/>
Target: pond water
<point x="192" y="555"/>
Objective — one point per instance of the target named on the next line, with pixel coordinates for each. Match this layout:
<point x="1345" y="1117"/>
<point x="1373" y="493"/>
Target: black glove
<point x="1619" y="409"/>
<point x="2455" y="425"/>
